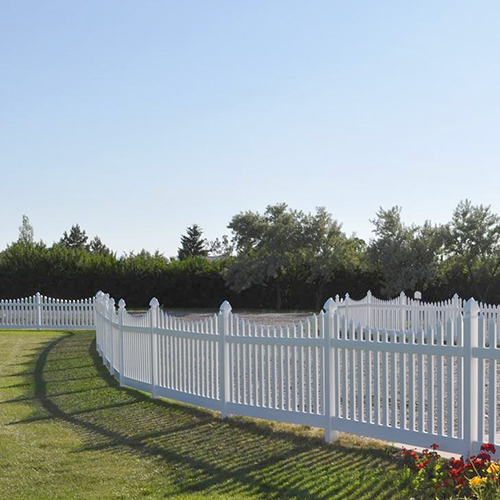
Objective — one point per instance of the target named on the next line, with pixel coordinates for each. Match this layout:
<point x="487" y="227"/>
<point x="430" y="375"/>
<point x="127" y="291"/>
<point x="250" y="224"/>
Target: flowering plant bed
<point x="433" y="476"/>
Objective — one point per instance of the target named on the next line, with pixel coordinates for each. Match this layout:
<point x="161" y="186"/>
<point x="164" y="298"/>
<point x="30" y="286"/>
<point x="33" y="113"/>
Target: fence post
<point x="329" y="379"/>
<point x="416" y="322"/>
<point x="111" y="310"/>
<point x="38" y="302"/>
<point x="402" y="305"/>
<point x="224" y="368"/>
<point x="153" y="315"/>
<point x="470" y="401"/>
<point x="368" y="308"/>
<point x="346" y="310"/>
<point x="104" y="310"/>
<point x="121" y="313"/>
<point x="97" y="321"/>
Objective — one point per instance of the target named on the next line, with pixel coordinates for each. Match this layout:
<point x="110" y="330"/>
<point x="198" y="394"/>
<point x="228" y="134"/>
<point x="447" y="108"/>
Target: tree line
<point x="281" y="258"/>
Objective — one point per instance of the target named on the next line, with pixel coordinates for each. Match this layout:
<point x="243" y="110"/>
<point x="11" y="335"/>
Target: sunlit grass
<point x="67" y="431"/>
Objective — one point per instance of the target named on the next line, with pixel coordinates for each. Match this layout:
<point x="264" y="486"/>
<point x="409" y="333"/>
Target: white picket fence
<point x="39" y="312"/>
<point x="438" y="385"/>
<point x="406" y="313"/>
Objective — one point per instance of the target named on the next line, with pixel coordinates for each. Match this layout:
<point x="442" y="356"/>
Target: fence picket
<point x="492" y="385"/>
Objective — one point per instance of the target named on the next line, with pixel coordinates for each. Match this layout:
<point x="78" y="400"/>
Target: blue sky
<point x="137" y="119"/>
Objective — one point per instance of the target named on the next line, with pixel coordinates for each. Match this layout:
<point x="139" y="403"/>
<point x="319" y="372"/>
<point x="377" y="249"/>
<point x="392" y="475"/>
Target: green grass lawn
<point x="67" y="431"/>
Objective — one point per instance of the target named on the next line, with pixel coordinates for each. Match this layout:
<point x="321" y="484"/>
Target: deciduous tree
<point x="406" y="257"/>
<point x="473" y="245"/>
<point x="26" y="232"/>
<point x="267" y="244"/>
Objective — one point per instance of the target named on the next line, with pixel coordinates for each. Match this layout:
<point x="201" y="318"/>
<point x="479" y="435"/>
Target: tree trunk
<point x="319" y="294"/>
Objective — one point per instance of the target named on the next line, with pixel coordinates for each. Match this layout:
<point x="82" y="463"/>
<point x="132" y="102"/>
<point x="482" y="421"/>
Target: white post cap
<point x="471" y="307"/>
<point x="225" y="307"/>
<point x="330" y="306"/>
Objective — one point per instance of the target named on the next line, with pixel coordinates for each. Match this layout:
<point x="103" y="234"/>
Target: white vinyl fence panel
<point x="39" y="312"/>
<point x="405" y="313"/>
<point x="437" y="384"/>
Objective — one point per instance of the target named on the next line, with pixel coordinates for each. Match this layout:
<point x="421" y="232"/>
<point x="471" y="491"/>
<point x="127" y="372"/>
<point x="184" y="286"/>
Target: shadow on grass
<point x="199" y="452"/>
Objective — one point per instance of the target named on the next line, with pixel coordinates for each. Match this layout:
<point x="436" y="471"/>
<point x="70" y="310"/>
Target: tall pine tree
<point x="97" y="246"/>
<point x="192" y="244"/>
<point x="76" y="239"/>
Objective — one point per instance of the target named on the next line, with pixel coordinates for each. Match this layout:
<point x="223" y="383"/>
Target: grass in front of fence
<point x="67" y="431"/>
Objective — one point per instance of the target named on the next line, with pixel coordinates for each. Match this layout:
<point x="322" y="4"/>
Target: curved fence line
<point x="400" y="370"/>
<point x="39" y="312"/>
<point x="406" y="313"/>
<point x="438" y="385"/>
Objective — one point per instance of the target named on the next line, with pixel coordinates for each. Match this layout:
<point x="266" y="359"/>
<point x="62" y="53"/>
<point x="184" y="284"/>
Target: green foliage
<point x="97" y="246"/>
<point x="285" y="248"/>
<point x="223" y="247"/>
<point x="282" y="257"/>
<point x="473" y="246"/>
<point x="434" y="477"/>
<point x="328" y="252"/>
<point x="59" y="271"/>
<point x="406" y="257"/>
<point x="192" y="244"/>
<point x="267" y="245"/>
<point x="75" y="240"/>
<point x="26" y="232"/>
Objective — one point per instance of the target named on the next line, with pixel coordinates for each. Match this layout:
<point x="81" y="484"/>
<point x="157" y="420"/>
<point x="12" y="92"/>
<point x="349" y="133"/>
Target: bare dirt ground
<point x="265" y="317"/>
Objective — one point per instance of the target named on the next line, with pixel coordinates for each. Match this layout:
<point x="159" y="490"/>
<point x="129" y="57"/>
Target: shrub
<point x="433" y="476"/>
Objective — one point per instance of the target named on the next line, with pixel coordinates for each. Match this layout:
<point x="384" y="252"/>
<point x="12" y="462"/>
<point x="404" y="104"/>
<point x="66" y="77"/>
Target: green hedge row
<point x="193" y="282"/>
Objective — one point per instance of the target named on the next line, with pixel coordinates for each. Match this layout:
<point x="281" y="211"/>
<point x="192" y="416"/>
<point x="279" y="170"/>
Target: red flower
<point x="457" y="461"/>
<point x="489" y="448"/>
<point x="478" y="464"/>
<point x="434" y="446"/>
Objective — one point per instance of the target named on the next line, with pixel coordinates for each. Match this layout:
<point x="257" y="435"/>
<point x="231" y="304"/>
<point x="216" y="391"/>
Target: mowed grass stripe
<point x="68" y="431"/>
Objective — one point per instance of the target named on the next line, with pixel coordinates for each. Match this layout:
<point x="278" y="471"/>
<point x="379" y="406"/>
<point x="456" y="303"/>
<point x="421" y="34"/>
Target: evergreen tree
<point x="192" y="244"/>
<point x="76" y="239"/>
<point x="26" y="232"/>
<point x="97" y="246"/>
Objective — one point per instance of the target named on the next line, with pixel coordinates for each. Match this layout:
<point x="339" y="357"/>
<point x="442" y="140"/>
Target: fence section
<point x="39" y="312"/>
<point x="437" y="385"/>
<point x="406" y="313"/>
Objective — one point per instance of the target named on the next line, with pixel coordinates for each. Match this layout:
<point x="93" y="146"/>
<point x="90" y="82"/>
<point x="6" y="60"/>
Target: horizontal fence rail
<point x="39" y="312"/>
<point x="437" y="383"/>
